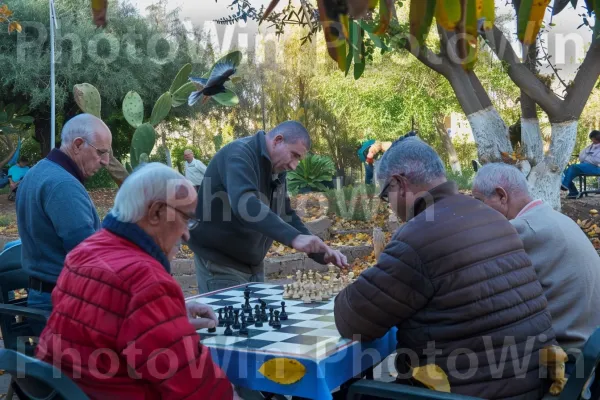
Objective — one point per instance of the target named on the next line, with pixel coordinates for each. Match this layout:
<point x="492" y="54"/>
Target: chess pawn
<point x="351" y="277"/>
<point x="296" y="294"/>
<point x="298" y="276"/>
<point x="318" y="296"/>
<point x="286" y="292"/>
<point x="306" y="297"/>
<point x="304" y="278"/>
<point x="325" y="294"/>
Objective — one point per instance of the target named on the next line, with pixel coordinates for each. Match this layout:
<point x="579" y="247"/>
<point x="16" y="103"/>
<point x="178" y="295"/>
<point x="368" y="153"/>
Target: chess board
<point x="308" y="332"/>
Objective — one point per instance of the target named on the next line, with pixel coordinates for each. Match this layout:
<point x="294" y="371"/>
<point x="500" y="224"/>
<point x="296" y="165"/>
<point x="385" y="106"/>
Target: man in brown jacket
<point x="455" y="281"/>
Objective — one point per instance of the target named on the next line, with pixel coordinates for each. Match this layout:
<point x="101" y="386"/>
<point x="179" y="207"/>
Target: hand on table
<point x="201" y="315"/>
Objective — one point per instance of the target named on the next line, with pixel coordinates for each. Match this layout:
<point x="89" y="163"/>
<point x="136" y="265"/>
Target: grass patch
<point x="355" y="203"/>
<point x="6" y="220"/>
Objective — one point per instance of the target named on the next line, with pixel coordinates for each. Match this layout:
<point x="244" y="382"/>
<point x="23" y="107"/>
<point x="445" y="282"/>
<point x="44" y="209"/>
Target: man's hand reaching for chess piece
<point x="201" y="316"/>
<point x="311" y="244"/>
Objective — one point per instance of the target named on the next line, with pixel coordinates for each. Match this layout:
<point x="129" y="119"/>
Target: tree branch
<point x="584" y="82"/>
<point x="480" y="91"/>
<point x="428" y="57"/>
<point x="522" y="76"/>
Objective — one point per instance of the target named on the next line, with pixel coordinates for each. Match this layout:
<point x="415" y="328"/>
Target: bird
<point x="214" y="84"/>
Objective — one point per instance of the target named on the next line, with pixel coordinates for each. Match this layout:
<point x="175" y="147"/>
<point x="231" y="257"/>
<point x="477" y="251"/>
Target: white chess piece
<point x="318" y="296"/>
<point x="298" y="276"/>
<point x="325" y="293"/>
<point x="296" y="294"/>
<point x="306" y="294"/>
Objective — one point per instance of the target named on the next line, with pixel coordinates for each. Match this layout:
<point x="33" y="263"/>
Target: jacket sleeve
<point x="162" y="348"/>
<point x="384" y="295"/>
<point x="72" y="215"/>
<point x="241" y="182"/>
<point x="583" y="154"/>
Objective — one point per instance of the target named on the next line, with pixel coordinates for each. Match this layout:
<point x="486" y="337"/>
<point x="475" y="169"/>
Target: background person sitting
<point x="589" y="159"/>
<point x="16" y="174"/>
<point x="455" y="281"/>
<point x="116" y="293"/>
<point x="565" y="261"/>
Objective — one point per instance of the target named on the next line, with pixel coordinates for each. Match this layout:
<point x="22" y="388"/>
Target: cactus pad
<point x="133" y="109"/>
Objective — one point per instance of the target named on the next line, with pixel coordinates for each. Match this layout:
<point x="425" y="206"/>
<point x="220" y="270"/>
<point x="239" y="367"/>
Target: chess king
<point x="243" y="206"/>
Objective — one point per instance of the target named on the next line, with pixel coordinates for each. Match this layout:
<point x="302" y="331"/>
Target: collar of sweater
<point x="437" y="193"/>
<point x="60" y="158"/>
<point x="133" y="233"/>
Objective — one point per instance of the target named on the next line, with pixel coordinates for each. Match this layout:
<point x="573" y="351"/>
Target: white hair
<point x="494" y="175"/>
<point x="148" y="183"/>
<point x="84" y="126"/>
<point x="413" y="158"/>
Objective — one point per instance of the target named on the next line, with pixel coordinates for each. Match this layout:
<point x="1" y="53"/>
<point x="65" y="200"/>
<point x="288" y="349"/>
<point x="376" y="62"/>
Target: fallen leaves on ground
<point x="104" y="198"/>
<point x="591" y="228"/>
<point x="277" y="249"/>
<point x="351" y="239"/>
<point x="310" y="207"/>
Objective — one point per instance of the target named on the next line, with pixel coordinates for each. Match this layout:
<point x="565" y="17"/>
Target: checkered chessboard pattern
<point x="309" y="330"/>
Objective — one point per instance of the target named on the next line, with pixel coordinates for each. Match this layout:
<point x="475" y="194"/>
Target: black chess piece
<point x="276" y="323"/>
<point x="283" y="315"/>
<point x="221" y="320"/>
<point x="228" y="331"/>
<point x="230" y="316"/>
<point x="250" y="317"/>
<point x="263" y="314"/>
<point x="246" y="305"/>
<point x="257" y="317"/>
<point x="212" y="330"/>
<point x="270" y="315"/>
<point x="236" y="323"/>
<point x="244" y="328"/>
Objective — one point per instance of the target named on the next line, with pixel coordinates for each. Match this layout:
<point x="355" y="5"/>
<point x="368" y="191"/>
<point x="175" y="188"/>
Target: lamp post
<point x="53" y="27"/>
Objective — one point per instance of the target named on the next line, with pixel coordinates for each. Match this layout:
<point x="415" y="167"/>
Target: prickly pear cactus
<point x="133" y="109"/>
<point x="143" y="141"/>
<point x="87" y="98"/>
<point x="143" y="158"/>
<point x="181" y="78"/>
<point x="161" y="109"/>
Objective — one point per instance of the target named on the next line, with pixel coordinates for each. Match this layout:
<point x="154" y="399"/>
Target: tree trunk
<point x="43" y="132"/>
<point x="490" y="133"/>
<point x="544" y="178"/>
<point x="448" y="145"/>
<point x="168" y="156"/>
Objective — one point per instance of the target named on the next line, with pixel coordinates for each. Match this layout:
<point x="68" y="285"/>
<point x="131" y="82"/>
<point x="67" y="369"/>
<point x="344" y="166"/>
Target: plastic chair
<point x="587" y="362"/>
<point x="15" y="332"/>
<point x="38" y="380"/>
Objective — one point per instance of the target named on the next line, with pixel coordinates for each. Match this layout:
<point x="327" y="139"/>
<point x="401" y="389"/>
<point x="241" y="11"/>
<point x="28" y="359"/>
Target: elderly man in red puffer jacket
<point x="120" y="326"/>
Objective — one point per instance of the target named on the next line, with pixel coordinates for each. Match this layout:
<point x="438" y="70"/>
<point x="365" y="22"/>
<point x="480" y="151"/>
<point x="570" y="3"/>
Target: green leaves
<point x="181" y="78"/>
<point x="311" y="172"/>
<point x="133" y="109"/>
<point x="356" y="50"/>
<point x="229" y="98"/>
<point x="181" y="95"/>
<point x="161" y="109"/>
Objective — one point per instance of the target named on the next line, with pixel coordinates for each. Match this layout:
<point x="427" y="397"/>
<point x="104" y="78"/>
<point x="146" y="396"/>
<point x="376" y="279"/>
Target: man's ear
<point x="278" y="139"/>
<point x="402" y="184"/>
<point x="154" y="213"/>
<point x="501" y="193"/>
<point x="77" y="144"/>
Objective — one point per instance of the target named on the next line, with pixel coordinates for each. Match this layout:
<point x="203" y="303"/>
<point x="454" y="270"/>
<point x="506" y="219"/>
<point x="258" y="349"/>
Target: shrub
<point x="101" y="180"/>
<point x="311" y="173"/>
<point x="356" y="203"/>
<point x="464" y="180"/>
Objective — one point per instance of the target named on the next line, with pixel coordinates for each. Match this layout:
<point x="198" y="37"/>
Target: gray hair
<point x="413" y="158"/>
<point x="494" y="175"/>
<point x="148" y="183"/>
<point x="292" y="132"/>
<point x="84" y="126"/>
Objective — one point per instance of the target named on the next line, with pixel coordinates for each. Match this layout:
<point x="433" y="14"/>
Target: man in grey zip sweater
<point x="565" y="261"/>
<point x="243" y="206"/>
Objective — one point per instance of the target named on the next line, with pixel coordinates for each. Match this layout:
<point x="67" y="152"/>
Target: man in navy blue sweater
<point x="54" y="211"/>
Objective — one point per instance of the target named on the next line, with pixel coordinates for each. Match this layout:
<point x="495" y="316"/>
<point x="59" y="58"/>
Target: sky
<point x="566" y="44"/>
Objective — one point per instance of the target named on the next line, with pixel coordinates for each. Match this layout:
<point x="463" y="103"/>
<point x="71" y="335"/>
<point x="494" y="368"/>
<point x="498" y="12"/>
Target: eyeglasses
<point x="191" y="221"/>
<point x="101" y="153"/>
<point x="383" y="195"/>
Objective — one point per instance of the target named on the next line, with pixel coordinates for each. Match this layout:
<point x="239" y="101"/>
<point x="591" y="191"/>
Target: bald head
<point x="87" y="141"/>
